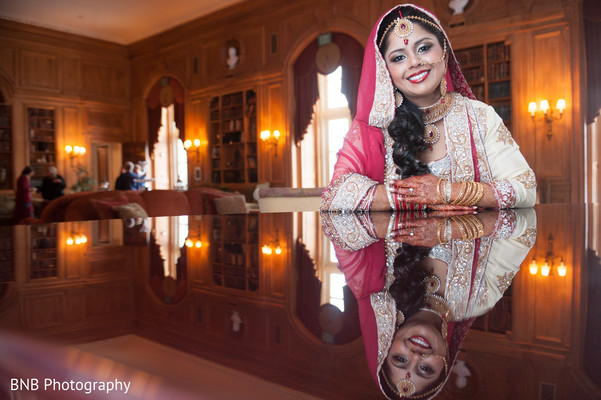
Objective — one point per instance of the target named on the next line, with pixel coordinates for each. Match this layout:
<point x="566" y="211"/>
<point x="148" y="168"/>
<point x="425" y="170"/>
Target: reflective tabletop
<point x="285" y="305"/>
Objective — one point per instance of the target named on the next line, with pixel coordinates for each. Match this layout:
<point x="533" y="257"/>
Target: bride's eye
<point x="424" y="48"/>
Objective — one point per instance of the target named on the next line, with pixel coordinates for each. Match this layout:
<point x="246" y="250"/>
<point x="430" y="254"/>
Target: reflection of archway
<point x="325" y="321"/>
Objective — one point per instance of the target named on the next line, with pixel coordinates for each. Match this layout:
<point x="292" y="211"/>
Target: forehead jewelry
<point x="403" y="27"/>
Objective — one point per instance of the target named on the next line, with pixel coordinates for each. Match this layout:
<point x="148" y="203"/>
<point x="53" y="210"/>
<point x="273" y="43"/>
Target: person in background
<point x="141" y="176"/>
<point x="53" y="185"/>
<point x="23" y="199"/>
<point x="126" y="181"/>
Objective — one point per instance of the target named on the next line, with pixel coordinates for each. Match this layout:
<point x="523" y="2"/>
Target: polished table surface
<point x="254" y="306"/>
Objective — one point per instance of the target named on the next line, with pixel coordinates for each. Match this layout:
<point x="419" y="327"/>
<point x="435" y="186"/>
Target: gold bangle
<point x="462" y="227"/>
<point x="461" y="194"/>
<point x="441" y="234"/>
<point x="440" y="196"/>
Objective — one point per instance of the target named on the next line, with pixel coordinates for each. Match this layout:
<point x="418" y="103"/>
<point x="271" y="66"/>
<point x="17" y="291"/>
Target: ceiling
<point x="117" y="21"/>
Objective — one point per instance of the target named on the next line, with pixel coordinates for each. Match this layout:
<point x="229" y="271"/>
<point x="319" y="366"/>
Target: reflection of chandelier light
<point x="533" y="267"/>
<point x="550" y="262"/>
<point x="76" y="238"/>
<point x="272" y="247"/>
<point x="194" y="240"/>
<point x="545" y="269"/>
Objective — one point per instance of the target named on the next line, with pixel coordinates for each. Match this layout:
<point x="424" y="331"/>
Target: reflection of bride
<point x="420" y="281"/>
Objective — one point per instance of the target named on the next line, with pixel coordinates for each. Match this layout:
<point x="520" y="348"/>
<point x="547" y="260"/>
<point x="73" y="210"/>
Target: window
<point x="326" y="132"/>
<point x="170" y="158"/>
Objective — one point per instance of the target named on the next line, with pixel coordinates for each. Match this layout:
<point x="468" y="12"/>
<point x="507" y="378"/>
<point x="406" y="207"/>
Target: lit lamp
<point x="271" y="138"/>
<point x="188" y="145"/>
<point x="547" y="267"/>
<point x="547" y="116"/>
<point x="76" y="238"/>
<point x="190" y="242"/>
<point x="272" y="247"/>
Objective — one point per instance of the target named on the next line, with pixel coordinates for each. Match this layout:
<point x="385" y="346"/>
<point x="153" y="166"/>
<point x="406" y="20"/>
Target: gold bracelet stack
<point x="446" y="196"/>
<point x="470" y="226"/>
<point x="469" y="194"/>
<point x="444" y="231"/>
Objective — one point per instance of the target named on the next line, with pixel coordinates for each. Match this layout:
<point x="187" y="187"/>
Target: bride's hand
<point x="424" y="189"/>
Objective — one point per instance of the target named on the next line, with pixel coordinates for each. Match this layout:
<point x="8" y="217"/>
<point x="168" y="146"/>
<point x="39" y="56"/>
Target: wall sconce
<point x="193" y="241"/>
<point x="272" y="247"/>
<point x="547" y="266"/>
<point x="74" y="152"/>
<point x="271" y="138"/>
<point x="76" y="239"/>
<point x="188" y="145"/>
<point x="547" y="116"/>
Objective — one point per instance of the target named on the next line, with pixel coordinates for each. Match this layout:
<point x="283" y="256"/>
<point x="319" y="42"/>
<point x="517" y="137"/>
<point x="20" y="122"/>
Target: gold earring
<point x="443" y="84"/>
<point x="398" y="98"/>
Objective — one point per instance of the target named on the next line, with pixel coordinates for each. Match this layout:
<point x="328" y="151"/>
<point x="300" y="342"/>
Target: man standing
<point x="126" y="181"/>
<point x="52" y="185"/>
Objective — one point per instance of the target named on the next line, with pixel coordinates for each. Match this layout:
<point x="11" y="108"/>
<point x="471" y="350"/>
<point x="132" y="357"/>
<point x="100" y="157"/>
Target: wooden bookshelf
<point x="7" y="265"/>
<point x="487" y="69"/>
<point x="6" y="147"/>
<point x="233" y="132"/>
<point x="42" y="152"/>
<point x="235" y="252"/>
<point x="43" y="251"/>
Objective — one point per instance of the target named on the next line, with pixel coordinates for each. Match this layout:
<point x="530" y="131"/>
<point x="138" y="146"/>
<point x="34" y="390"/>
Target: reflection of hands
<point x="423" y="189"/>
<point x="442" y="226"/>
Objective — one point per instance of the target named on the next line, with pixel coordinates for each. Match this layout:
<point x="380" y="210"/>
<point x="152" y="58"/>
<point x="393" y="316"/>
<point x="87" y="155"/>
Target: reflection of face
<point x="414" y="339"/>
<point x="410" y="68"/>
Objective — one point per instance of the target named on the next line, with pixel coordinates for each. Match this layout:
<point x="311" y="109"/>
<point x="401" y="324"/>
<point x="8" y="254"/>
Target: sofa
<point x="84" y="206"/>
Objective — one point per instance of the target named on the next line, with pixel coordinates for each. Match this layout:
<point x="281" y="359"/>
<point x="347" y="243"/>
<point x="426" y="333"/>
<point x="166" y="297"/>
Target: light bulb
<point x="278" y="250"/>
<point x="562" y="270"/>
<point x="545" y="269"/>
<point x="189" y="243"/>
<point x="198" y="244"/>
<point x="68" y="149"/>
<point x="561" y="105"/>
<point x="69" y="241"/>
<point x="532" y="108"/>
<point x="533" y="267"/>
<point x="187" y="144"/>
<point x="276" y="134"/>
<point x="196" y="142"/>
<point x="266" y="249"/>
<point x="544" y="106"/>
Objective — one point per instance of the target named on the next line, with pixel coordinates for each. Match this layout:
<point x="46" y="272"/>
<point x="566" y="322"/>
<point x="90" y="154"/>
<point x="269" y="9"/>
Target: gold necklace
<point x="434" y="113"/>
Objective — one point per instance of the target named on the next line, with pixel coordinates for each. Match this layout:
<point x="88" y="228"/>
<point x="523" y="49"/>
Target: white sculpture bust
<point x="458" y="6"/>
<point x="232" y="57"/>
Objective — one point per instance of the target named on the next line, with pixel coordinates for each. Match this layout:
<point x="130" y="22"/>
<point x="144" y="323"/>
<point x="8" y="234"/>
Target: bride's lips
<point x="420" y="342"/>
<point x="418" y="76"/>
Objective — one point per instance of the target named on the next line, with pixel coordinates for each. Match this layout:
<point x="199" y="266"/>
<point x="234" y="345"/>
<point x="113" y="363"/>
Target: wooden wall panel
<point x="70" y="74"/>
<point x="39" y="70"/>
<point x="8" y="66"/>
<point x="105" y="80"/>
<point x="43" y="311"/>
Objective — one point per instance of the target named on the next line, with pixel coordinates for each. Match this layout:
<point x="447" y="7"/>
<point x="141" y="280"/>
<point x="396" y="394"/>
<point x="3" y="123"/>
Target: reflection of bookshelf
<point x="487" y="69"/>
<point x="6" y="144"/>
<point x="43" y="251"/>
<point x="235" y="248"/>
<point x="233" y="127"/>
<point x="42" y="154"/>
<point x="7" y="265"/>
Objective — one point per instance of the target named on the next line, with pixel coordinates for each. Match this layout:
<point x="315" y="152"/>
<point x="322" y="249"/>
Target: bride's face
<point x="417" y="353"/>
<point x="416" y="68"/>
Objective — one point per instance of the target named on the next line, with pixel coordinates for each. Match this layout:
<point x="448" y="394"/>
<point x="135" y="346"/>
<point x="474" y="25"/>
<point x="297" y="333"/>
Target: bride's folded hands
<point x="443" y="226"/>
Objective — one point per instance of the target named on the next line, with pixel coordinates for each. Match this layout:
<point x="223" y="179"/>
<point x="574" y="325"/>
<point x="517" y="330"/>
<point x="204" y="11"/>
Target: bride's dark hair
<point x="408" y="288"/>
<point x="407" y="127"/>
